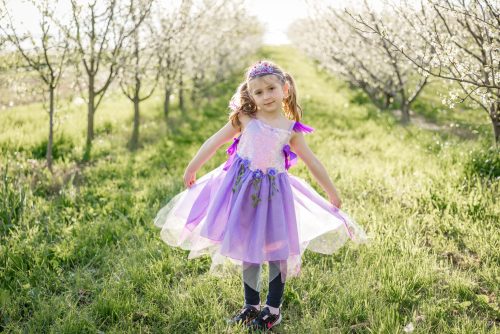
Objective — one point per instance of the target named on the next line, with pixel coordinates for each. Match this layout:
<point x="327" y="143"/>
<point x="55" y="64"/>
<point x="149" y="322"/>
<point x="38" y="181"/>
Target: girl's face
<point x="268" y="93"/>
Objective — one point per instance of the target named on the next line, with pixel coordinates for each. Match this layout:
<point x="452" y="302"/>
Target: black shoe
<point x="265" y="320"/>
<point x="246" y="315"/>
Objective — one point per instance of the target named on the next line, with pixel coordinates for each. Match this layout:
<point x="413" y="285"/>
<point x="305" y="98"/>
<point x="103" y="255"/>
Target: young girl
<point x="250" y="210"/>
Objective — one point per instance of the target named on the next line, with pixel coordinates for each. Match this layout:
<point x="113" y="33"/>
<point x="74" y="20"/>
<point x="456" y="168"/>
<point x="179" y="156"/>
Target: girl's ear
<point x="286" y="88"/>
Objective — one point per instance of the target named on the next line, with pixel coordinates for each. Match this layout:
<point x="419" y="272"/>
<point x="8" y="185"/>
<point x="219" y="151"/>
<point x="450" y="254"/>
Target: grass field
<point x="81" y="253"/>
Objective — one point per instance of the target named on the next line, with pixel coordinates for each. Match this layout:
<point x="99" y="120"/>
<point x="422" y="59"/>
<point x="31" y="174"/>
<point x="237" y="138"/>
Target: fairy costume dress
<point x="250" y="210"/>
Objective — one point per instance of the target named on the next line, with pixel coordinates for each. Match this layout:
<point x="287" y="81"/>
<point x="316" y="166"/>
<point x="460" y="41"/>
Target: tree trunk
<point x="495" y="121"/>
<point x="51" y="127"/>
<point x="388" y="100"/>
<point x="405" y="112"/>
<point x="166" y="102"/>
<point x="195" y="90"/>
<point x="134" y="141"/>
<point x="181" y="94"/>
<point x="90" y="118"/>
<point x="405" y="107"/>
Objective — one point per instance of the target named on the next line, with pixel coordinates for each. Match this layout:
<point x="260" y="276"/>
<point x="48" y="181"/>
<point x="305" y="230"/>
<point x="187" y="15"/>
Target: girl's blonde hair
<point x="243" y="103"/>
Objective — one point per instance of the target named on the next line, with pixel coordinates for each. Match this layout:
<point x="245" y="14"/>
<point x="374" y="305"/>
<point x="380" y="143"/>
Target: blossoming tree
<point x="337" y="42"/>
<point x="459" y="42"/>
<point x="43" y="49"/>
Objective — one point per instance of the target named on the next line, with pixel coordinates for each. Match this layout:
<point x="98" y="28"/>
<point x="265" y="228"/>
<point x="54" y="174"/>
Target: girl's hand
<point x="335" y="200"/>
<point x="189" y="178"/>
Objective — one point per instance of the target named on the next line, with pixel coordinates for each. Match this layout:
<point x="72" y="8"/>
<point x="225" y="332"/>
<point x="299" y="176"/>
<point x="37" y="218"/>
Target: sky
<point x="277" y="15"/>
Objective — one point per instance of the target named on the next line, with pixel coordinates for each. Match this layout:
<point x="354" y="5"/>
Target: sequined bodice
<point x="263" y="144"/>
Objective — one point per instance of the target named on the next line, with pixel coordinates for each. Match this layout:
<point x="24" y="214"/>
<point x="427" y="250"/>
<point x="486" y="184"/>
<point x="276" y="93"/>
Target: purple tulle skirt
<point x="240" y="221"/>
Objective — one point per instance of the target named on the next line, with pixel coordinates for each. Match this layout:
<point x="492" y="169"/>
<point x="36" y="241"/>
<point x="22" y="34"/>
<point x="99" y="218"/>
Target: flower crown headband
<point x="263" y="68"/>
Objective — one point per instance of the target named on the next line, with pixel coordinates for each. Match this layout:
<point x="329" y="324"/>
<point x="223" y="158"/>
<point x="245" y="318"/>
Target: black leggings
<point x="275" y="293"/>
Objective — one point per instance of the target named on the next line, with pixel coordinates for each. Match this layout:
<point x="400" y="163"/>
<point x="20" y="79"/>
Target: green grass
<point x="81" y="253"/>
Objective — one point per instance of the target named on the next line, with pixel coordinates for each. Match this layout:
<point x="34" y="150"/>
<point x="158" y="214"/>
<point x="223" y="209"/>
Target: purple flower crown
<point x="261" y="68"/>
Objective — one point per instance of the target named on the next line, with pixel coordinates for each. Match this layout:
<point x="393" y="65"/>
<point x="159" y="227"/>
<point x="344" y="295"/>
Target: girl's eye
<point x="272" y="88"/>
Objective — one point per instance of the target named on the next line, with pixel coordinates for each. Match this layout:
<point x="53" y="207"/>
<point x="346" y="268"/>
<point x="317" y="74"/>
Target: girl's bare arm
<point x="207" y="150"/>
<point x="299" y="145"/>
